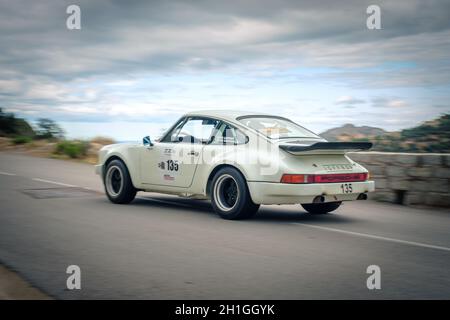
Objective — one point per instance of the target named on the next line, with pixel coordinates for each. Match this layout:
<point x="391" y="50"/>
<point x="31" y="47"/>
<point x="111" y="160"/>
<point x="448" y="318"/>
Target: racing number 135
<point x="346" y="188"/>
<point x="172" y="165"/>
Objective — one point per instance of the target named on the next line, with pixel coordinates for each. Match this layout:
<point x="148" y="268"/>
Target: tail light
<point x="324" y="178"/>
<point x="297" y="178"/>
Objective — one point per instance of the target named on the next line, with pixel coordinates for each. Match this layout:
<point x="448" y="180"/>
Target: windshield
<point x="277" y="128"/>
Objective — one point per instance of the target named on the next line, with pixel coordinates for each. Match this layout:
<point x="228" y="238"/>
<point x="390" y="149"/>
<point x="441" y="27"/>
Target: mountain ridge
<point x="349" y="131"/>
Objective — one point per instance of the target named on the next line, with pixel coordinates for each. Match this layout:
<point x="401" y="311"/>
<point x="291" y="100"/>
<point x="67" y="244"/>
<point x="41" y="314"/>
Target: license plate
<point x="346" y="188"/>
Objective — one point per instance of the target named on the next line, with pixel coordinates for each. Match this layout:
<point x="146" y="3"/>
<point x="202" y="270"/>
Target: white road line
<point x="371" y="236"/>
<point x="54" y="182"/>
<point x="7" y="173"/>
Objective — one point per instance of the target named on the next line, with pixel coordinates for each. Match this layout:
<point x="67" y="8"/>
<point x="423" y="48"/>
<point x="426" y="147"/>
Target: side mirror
<point x="147" y="142"/>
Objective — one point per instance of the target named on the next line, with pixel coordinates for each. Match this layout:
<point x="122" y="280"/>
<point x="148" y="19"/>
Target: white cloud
<point x="396" y="103"/>
<point x="349" y="100"/>
<point x="10" y="86"/>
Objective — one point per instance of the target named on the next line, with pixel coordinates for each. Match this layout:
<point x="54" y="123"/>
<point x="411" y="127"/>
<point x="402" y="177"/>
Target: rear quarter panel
<point x="260" y="160"/>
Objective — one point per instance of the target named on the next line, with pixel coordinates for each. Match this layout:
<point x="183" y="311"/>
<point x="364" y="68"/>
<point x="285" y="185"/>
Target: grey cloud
<point x="122" y="39"/>
<point x="120" y="36"/>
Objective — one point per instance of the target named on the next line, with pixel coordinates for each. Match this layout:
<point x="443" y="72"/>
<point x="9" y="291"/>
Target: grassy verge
<point x="72" y="149"/>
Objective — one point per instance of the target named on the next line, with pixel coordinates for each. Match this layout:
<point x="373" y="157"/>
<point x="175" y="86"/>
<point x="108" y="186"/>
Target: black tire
<point x="117" y="182"/>
<point x="321" y="208"/>
<point x="230" y="204"/>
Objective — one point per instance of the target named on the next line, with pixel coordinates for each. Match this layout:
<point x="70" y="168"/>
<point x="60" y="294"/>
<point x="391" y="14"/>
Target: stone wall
<point x="408" y="178"/>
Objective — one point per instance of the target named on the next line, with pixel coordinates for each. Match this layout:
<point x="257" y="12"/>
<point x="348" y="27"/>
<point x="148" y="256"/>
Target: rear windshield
<point x="277" y="128"/>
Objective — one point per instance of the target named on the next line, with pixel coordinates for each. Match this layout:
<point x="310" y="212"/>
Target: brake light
<point x="297" y="178"/>
<point x="324" y="178"/>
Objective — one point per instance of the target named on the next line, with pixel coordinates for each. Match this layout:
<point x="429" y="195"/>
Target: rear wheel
<point x="230" y="197"/>
<point x="321" y="208"/>
<point x="117" y="181"/>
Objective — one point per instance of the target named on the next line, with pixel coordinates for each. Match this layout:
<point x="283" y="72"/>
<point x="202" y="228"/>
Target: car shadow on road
<point x="266" y="214"/>
<point x="274" y="214"/>
<point x="168" y="202"/>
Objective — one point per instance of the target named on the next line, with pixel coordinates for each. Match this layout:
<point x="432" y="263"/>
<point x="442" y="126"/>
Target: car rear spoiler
<point x="326" y="147"/>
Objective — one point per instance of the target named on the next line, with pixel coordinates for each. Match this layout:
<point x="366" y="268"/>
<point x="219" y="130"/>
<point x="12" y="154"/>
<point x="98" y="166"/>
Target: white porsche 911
<point x="238" y="160"/>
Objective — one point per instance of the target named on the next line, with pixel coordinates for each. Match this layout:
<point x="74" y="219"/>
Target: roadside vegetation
<point x="73" y="149"/>
<point x="429" y="137"/>
<point x="47" y="139"/>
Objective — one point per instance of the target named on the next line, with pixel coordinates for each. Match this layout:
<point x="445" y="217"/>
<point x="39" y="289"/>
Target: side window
<point x="172" y="135"/>
<point x="241" y="138"/>
<point x="195" y="130"/>
<point x="228" y="134"/>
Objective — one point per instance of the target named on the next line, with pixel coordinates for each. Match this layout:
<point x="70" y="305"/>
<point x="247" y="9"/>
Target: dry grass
<point x="46" y="148"/>
<point x="102" y="140"/>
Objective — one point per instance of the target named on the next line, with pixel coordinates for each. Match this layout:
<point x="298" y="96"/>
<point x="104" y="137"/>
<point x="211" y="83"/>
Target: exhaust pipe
<point x="362" y="196"/>
<point x="319" y="199"/>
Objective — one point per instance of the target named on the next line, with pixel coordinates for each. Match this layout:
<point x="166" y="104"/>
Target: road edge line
<point x="372" y="236"/>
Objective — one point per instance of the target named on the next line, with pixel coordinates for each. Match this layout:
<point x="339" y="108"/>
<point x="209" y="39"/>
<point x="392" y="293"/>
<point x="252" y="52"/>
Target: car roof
<point x="224" y="114"/>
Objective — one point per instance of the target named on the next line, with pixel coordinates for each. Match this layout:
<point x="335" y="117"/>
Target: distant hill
<point x="350" y="132"/>
<point x="430" y="136"/>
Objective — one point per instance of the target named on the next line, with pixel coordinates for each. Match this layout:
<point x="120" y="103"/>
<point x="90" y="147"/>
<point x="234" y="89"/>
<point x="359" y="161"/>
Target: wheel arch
<point x="215" y="170"/>
<point x="112" y="158"/>
<point x="119" y="157"/>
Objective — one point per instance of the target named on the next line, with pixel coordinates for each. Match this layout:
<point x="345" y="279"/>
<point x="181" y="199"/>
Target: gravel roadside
<point x="13" y="287"/>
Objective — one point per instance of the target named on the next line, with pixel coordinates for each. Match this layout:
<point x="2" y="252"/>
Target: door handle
<point x="193" y="153"/>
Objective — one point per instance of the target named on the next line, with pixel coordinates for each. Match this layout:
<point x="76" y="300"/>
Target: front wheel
<point x="321" y="208"/>
<point x="230" y="197"/>
<point x="118" y="185"/>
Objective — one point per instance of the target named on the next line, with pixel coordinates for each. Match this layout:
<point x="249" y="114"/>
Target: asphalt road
<point x="164" y="247"/>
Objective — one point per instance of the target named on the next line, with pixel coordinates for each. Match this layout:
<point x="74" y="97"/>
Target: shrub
<point x="73" y="149"/>
<point x="21" y="140"/>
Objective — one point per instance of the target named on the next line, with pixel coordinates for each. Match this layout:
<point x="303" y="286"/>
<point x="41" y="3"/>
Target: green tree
<point x="49" y="129"/>
<point x="11" y="126"/>
<point x="7" y="122"/>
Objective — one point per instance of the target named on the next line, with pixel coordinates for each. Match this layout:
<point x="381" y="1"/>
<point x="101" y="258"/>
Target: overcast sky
<point x="136" y="66"/>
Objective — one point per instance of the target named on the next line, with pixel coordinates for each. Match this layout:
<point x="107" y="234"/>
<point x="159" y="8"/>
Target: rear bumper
<point x="283" y="193"/>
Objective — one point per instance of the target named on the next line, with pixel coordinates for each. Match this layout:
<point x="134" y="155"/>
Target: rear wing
<point x="326" y="147"/>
